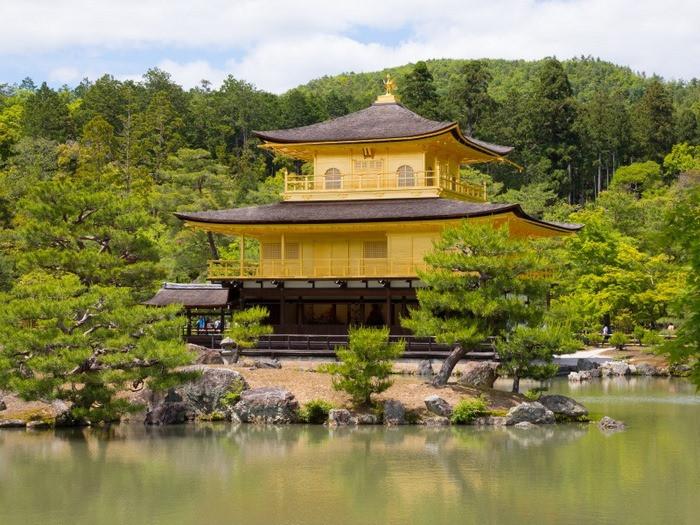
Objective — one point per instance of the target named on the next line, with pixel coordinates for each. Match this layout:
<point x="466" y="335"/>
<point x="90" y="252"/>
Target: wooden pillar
<point x="283" y="255"/>
<point x="189" y="321"/>
<point x="388" y="305"/>
<point x="282" y="305"/>
<point x="241" y="256"/>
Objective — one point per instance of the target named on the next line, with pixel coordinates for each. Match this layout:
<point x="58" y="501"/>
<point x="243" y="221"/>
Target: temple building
<point x="345" y="244"/>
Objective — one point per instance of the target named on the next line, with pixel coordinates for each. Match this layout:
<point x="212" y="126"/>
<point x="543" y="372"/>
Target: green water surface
<point x="224" y="474"/>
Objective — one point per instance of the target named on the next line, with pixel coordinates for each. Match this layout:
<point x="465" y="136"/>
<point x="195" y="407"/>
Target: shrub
<point x="638" y="333"/>
<point x="534" y="394"/>
<point x="593" y="338"/>
<point x="467" y="410"/>
<point x="231" y="397"/>
<point x="315" y="411"/>
<point x="651" y="338"/>
<point x="365" y="364"/>
<point x="618" y="340"/>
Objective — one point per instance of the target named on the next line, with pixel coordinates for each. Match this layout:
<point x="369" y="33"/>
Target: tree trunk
<point x="458" y="352"/>
<point x="516" y="383"/>
<point x="212" y="246"/>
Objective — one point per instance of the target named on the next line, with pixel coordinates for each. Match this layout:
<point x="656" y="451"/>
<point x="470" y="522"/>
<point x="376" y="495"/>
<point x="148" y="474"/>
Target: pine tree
<point x="470" y="91"/>
<point x="85" y="345"/>
<point x="46" y="115"/>
<point x="417" y="91"/>
<point x="480" y="282"/>
<point x="652" y="122"/>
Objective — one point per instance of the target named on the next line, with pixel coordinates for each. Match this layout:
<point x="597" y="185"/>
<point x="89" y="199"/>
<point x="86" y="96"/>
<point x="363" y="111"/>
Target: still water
<point x="222" y="474"/>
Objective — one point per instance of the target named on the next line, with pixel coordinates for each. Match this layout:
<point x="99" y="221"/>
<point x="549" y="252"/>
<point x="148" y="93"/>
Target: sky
<point x="277" y="44"/>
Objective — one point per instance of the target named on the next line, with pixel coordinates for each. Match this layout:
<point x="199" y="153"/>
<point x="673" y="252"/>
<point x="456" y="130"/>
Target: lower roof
<point x="358" y="211"/>
<point x="190" y="295"/>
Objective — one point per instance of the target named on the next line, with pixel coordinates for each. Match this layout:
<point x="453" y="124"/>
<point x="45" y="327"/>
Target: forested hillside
<point x="90" y="175"/>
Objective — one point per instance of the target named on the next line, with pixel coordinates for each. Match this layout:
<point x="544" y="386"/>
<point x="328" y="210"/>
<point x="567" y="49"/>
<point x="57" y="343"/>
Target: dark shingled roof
<point x="190" y="295"/>
<point x="375" y="123"/>
<point x="302" y="212"/>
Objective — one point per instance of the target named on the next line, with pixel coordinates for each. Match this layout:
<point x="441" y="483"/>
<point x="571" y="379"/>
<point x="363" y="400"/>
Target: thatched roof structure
<point x="192" y="295"/>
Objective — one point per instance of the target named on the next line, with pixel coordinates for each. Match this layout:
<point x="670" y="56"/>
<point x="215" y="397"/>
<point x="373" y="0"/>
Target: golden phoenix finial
<point x="389" y="84"/>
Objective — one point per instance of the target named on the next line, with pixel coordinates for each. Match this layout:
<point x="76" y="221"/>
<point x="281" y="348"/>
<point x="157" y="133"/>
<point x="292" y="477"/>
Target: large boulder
<point x="645" y="369"/>
<point x="479" y="374"/>
<point x="425" y="368"/>
<point x="270" y="405"/>
<point x="339" y="417"/>
<point x="438" y="406"/>
<point x="491" y="421"/>
<point x="210" y="357"/>
<point x="586" y="364"/>
<point x="532" y="412"/>
<point x="394" y="412"/>
<point x="679" y="370"/>
<point x="564" y="408"/>
<point x="576" y="377"/>
<point x="367" y="419"/>
<point x="203" y="397"/>
<point x="615" y="368"/>
<point x="12" y="423"/>
<point x="435" y="421"/>
<point x="608" y="424"/>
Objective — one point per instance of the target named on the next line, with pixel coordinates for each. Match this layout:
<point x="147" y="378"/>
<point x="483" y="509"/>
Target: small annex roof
<point x="379" y="210"/>
<point x="378" y="123"/>
<point x="191" y="295"/>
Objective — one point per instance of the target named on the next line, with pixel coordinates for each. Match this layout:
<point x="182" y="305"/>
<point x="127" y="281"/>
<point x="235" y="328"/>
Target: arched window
<point x="332" y="179"/>
<point x="405" y="176"/>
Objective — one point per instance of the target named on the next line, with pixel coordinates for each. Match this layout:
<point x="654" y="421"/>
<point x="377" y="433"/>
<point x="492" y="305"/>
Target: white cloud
<point x="65" y="75"/>
<point x="277" y="44"/>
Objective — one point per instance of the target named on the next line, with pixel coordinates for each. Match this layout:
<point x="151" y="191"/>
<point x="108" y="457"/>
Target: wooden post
<point x="283" y="255"/>
<point x="241" y="255"/>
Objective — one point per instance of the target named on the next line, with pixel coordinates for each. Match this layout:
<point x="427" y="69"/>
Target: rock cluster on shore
<point x="587" y="370"/>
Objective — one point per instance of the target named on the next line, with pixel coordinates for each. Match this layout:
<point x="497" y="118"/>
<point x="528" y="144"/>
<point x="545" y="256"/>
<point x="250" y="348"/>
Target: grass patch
<point x="315" y="411"/>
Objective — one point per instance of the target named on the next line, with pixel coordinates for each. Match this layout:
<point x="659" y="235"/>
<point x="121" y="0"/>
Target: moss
<point x="214" y="416"/>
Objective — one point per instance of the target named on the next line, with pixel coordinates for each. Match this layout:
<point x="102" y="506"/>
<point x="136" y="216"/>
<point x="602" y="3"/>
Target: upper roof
<point x="381" y="210"/>
<point x="190" y="295"/>
<point x="377" y="123"/>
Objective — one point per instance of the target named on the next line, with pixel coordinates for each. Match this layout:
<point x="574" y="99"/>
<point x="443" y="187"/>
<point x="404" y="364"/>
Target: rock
<point x="197" y="348"/>
<point x="367" y="419"/>
<point x="437" y="421"/>
<point x="425" y="368"/>
<point x="595" y="372"/>
<point x="532" y="412"/>
<point x="168" y="413"/>
<point x="564" y="408"/>
<point x="12" y="423"/>
<point x="63" y="416"/>
<point x="202" y="397"/>
<point x="615" y="368"/>
<point x="394" y="412"/>
<point x="267" y="362"/>
<point x="438" y="406"/>
<point x="679" y="370"/>
<point x="608" y="424"/>
<point x="524" y="425"/>
<point x="210" y="357"/>
<point x="3" y="406"/>
<point x="586" y="364"/>
<point x="494" y="421"/>
<point x="584" y="375"/>
<point x="272" y="405"/>
<point x="338" y="417"/>
<point x="479" y="374"/>
<point x="38" y="423"/>
<point x="645" y="369"/>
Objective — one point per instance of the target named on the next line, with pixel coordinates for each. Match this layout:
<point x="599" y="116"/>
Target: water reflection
<point x="222" y="473"/>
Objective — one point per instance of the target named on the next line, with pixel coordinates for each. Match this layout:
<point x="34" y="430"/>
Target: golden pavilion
<point x="345" y="244"/>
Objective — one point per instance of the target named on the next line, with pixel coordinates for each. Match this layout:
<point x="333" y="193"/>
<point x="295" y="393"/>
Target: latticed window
<point x="332" y="179"/>
<point x="291" y="250"/>
<point x="368" y="165"/>
<point x="374" y="250"/>
<point x="271" y="250"/>
<point x="406" y="176"/>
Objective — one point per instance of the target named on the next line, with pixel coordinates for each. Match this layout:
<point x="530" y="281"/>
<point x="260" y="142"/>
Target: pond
<point x="224" y="474"/>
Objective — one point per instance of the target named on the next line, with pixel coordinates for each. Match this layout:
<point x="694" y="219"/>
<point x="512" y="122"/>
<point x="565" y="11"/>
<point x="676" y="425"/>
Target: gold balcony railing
<point x="390" y="181"/>
<point x="330" y="268"/>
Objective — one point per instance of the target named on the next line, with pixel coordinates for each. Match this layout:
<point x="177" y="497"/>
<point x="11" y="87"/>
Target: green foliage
<point x="315" y="412"/>
<point x="64" y="340"/>
<point x="417" y="91"/>
<point x="638" y="333"/>
<point x="365" y="364"/>
<point x="247" y="326"/>
<point x="618" y="340"/>
<point x="467" y="410"/>
<point x="651" y="338"/>
<point x="528" y="351"/>
<point x="637" y="178"/>
<point x="232" y="397"/>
